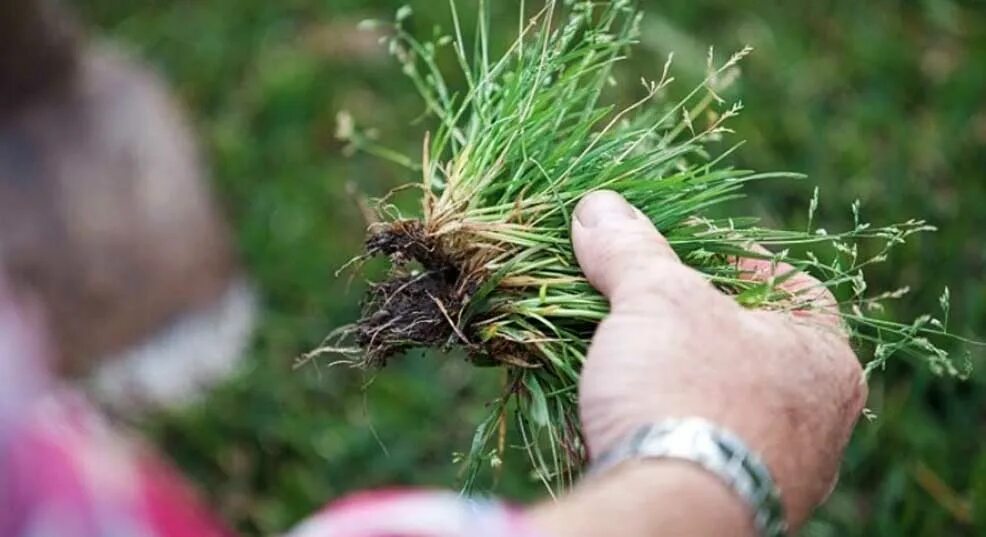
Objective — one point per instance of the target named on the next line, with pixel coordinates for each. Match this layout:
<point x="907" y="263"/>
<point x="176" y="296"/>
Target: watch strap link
<point x="715" y="449"/>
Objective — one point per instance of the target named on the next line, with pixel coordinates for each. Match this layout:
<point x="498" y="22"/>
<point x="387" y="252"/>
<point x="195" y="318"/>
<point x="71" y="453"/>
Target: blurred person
<point x="107" y="220"/>
<point x="112" y="253"/>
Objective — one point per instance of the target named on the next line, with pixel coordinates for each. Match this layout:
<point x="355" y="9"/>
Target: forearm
<point x="648" y="498"/>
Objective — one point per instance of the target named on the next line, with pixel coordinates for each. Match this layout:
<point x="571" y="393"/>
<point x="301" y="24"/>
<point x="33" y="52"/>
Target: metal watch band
<point x="719" y="451"/>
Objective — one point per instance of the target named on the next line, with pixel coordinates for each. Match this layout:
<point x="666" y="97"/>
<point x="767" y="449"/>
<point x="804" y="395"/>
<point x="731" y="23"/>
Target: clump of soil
<point x="423" y="300"/>
<point x="417" y="306"/>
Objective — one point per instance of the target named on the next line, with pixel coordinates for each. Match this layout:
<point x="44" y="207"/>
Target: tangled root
<point x="414" y="307"/>
<point x="423" y="301"/>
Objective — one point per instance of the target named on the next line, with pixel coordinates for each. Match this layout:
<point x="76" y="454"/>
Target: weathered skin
<point x="790" y="386"/>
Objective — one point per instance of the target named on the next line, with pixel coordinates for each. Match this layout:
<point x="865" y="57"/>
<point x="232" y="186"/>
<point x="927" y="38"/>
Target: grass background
<point x="883" y="100"/>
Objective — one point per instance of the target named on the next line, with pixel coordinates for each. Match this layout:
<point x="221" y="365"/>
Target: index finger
<point x="808" y="296"/>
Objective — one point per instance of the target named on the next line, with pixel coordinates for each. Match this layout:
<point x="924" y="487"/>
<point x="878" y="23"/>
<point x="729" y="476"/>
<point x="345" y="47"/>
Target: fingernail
<point x="603" y="208"/>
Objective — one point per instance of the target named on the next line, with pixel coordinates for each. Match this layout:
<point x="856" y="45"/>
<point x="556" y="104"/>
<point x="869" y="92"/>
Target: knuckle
<point x="862" y="394"/>
<point x="849" y="360"/>
<point x="858" y="387"/>
<point x="849" y="370"/>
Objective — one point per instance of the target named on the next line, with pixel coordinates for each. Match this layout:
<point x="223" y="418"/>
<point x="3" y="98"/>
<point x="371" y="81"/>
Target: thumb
<point x="625" y="257"/>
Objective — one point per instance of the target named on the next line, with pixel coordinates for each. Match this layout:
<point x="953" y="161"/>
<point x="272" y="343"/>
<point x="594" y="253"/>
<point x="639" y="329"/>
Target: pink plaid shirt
<point x="65" y="473"/>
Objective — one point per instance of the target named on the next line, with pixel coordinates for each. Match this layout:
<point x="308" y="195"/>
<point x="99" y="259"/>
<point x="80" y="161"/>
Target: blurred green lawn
<point x="883" y="100"/>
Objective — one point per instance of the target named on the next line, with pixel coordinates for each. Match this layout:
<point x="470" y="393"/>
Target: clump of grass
<point x="488" y="266"/>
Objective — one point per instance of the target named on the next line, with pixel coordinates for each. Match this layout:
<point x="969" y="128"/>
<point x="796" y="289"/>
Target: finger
<point x="809" y="295"/>
<point x="625" y="257"/>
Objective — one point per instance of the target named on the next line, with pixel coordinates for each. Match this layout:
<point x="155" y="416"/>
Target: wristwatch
<point x="715" y="449"/>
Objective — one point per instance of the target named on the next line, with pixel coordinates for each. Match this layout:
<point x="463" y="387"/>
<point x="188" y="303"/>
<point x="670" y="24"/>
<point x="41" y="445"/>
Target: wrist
<point x="648" y="498"/>
<point x="794" y="466"/>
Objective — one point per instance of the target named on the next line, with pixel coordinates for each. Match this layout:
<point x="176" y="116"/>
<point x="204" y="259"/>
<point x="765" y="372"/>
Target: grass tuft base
<point x="414" y="306"/>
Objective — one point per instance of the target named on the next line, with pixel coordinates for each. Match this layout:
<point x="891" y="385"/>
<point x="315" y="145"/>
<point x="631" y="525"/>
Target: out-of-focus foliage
<point x="883" y="100"/>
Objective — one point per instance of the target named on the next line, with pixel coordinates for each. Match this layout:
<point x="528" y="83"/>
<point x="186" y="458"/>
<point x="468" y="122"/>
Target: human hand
<point x="674" y="346"/>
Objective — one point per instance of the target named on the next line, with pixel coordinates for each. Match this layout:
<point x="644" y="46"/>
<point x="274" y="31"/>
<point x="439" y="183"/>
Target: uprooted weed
<point x="488" y="263"/>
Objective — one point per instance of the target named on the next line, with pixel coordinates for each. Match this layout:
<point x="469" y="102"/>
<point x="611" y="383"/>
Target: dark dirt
<point x="422" y="301"/>
<point x="412" y="308"/>
<point x="405" y="241"/>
